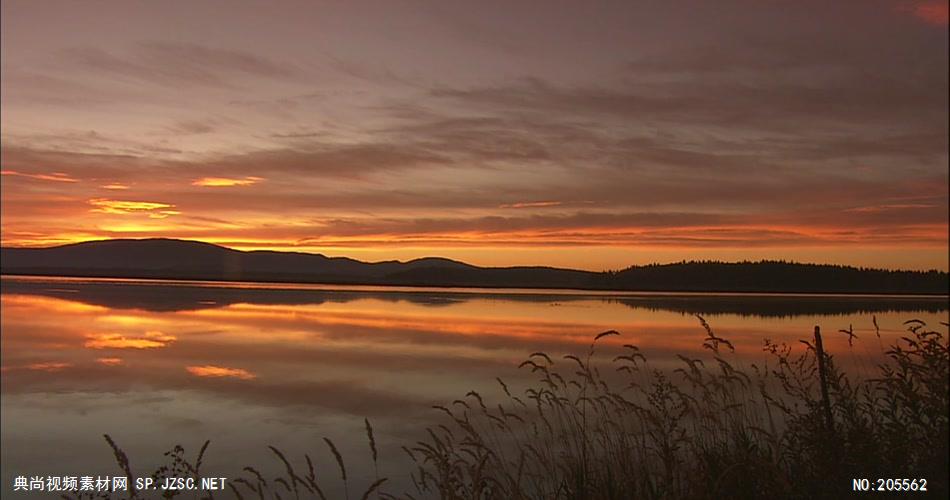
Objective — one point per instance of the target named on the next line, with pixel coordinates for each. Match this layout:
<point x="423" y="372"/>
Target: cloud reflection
<point x="50" y="366"/>
<point x="117" y="341"/>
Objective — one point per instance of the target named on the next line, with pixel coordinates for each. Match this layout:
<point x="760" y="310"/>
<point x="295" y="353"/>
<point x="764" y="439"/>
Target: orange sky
<point x="642" y="133"/>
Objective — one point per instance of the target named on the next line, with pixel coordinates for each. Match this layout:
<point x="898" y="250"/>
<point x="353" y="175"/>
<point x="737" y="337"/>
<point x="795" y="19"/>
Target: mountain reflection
<point x="163" y="296"/>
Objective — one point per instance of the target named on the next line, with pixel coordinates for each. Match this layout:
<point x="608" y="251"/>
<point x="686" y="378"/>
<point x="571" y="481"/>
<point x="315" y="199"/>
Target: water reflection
<point x="155" y="364"/>
<point x="148" y="340"/>
<point x="159" y="295"/>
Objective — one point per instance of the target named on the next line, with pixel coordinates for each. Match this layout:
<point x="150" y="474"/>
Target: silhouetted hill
<point x="178" y="259"/>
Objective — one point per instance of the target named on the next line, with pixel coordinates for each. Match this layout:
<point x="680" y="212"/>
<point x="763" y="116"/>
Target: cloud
<point x="298" y="135"/>
<point x="322" y="160"/>
<point x="653" y="229"/>
<point x="175" y="64"/>
<point x="192" y="127"/>
<point x="78" y="162"/>
<point x="55" y="176"/>
<point x="220" y="371"/>
<point x="311" y="159"/>
<point x="531" y="204"/>
<point x="931" y="12"/>
<point x="121" y="207"/>
<point x="225" y="182"/>
<point x="773" y="126"/>
<point x="889" y="207"/>
<point x="736" y="106"/>
<point x="634" y="189"/>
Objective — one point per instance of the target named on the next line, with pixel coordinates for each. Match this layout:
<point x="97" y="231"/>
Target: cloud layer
<point x="686" y="132"/>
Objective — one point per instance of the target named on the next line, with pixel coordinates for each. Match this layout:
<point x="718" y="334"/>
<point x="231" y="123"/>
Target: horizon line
<point x="654" y="263"/>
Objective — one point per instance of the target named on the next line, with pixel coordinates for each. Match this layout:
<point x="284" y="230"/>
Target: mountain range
<point x="194" y="260"/>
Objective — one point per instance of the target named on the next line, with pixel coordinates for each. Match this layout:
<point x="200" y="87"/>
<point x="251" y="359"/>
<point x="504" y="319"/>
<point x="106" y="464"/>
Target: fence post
<point x="823" y="378"/>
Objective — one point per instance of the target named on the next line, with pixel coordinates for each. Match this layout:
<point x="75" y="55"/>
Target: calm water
<point x="156" y="363"/>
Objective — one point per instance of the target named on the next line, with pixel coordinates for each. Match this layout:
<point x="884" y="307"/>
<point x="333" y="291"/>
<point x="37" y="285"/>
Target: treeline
<point x="777" y="276"/>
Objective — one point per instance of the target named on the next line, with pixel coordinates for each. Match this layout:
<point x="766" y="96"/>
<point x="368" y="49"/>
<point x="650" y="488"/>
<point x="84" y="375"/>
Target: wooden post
<point x="823" y="378"/>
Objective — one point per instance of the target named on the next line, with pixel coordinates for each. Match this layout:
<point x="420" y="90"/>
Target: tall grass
<point x="795" y="426"/>
<point x="708" y="429"/>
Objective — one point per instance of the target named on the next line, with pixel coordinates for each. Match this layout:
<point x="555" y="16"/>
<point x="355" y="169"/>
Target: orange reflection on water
<point x="49" y="303"/>
<point x="368" y="335"/>
<point x="459" y="326"/>
<point x="116" y="341"/>
<point x="50" y="366"/>
<point x="220" y="371"/>
<point x="462" y="320"/>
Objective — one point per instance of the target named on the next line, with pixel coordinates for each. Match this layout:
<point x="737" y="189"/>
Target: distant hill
<point x="181" y="259"/>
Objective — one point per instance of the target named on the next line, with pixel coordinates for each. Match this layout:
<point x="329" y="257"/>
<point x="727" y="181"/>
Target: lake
<point x="246" y="365"/>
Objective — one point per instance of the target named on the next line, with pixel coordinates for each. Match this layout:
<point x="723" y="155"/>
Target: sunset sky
<point x="499" y="133"/>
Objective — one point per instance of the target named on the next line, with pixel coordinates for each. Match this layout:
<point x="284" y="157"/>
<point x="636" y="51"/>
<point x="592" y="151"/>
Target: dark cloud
<point x="54" y="90"/>
<point x="175" y="63"/>
<point x="306" y="160"/>
<point x="328" y="160"/>
<point x="781" y="107"/>
<point x="192" y="127"/>
<point x="88" y="165"/>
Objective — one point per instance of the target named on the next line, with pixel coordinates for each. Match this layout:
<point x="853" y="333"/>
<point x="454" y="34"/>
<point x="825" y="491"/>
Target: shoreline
<point x="356" y="285"/>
